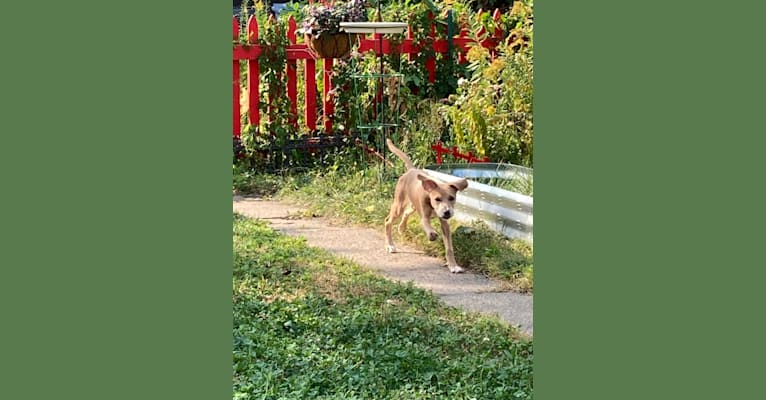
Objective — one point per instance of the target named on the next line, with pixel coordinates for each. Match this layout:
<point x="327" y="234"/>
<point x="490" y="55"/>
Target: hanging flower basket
<point x="336" y="45"/>
<point x="322" y="26"/>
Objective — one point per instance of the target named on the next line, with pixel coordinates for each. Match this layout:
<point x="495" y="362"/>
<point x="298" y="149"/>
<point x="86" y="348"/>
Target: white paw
<point x="455" y="269"/>
<point x="391" y="249"/>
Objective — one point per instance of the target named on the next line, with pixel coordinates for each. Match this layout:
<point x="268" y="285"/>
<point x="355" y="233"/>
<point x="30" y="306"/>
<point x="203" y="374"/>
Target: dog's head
<point x="442" y="195"/>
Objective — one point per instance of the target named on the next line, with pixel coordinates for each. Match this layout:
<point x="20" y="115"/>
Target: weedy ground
<point x="310" y="325"/>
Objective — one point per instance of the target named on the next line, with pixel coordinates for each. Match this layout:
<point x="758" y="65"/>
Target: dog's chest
<point x="428" y="211"/>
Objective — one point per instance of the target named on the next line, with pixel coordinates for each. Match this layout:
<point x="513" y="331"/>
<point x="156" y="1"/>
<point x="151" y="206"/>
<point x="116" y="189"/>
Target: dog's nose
<point x="447" y="214"/>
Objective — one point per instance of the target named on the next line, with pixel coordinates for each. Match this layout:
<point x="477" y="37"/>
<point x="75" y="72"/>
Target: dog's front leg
<point x="430" y="231"/>
<point x="450" y="254"/>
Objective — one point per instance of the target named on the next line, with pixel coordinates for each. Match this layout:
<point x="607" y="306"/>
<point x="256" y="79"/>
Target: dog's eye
<point x="438" y="199"/>
<point x="452" y="198"/>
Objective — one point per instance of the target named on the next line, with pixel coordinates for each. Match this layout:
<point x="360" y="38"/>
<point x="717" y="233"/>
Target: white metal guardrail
<point x="484" y="170"/>
<point x="502" y="210"/>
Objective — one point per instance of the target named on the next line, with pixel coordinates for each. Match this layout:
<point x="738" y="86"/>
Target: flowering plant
<point x="325" y="18"/>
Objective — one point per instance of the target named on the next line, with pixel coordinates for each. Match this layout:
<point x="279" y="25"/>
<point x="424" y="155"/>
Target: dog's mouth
<point x="446" y="215"/>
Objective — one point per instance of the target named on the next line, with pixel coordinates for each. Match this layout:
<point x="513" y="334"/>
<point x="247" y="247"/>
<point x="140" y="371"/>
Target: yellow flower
<point x="494" y="69"/>
<point x="476" y="53"/>
<point x="519" y="8"/>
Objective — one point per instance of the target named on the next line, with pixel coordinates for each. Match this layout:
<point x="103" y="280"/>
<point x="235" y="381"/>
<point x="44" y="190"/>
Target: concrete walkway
<point x="365" y="246"/>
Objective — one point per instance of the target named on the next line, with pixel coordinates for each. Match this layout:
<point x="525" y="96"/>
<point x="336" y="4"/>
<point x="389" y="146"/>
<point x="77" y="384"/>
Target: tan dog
<point x="415" y="191"/>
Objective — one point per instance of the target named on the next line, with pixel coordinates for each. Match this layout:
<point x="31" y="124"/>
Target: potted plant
<point x="322" y="26"/>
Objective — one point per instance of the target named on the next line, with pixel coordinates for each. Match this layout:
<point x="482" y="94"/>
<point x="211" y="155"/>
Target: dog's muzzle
<point x="447" y="215"/>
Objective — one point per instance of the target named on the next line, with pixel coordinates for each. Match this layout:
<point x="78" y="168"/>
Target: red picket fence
<point x="440" y="149"/>
<point x="301" y="52"/>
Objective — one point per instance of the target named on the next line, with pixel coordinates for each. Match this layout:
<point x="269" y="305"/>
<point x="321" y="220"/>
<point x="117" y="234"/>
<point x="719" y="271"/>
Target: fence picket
<point x="329" y="107"/>
<point x="253" y="75"/>
<point x="311" y="94"/>
<point x="411" y="56"/>
<point x="481" y="31"/>
<point x="497" y="35"/>
<point x="431" y="61"/>
<point x="237" y="125"/>
<point x="292" y="78"/>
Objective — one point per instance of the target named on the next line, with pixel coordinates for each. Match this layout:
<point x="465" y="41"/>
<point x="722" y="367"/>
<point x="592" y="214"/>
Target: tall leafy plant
<point x="491" y="113"/>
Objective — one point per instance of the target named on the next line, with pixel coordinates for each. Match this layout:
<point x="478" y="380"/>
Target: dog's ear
<point x="459" y="184"/>
<point x="428" y="184"/>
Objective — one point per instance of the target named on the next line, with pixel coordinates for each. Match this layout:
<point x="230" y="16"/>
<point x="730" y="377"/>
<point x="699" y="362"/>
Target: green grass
<point x="363" y="197"/>
<point x="486" y="251"/>
<point x="246" y="181"/>
<point x="308" y="325"/>
<point x="516" y="184"/>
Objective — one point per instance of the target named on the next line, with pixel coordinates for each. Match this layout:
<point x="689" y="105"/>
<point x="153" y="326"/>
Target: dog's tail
<point x="400" y="154"/>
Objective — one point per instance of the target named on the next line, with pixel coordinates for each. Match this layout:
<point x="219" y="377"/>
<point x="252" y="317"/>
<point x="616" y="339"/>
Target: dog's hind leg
<point x="396" y="211"/>
<point x="403" y="224"/>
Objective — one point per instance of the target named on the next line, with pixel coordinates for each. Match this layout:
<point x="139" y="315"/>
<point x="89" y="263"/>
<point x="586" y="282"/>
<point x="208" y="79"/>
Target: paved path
<point x="366" y="246"/>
